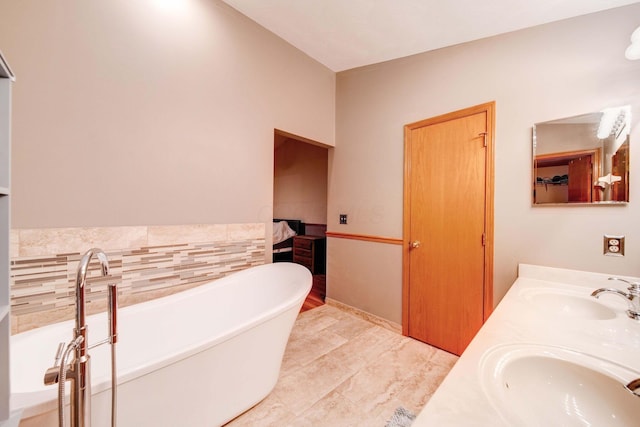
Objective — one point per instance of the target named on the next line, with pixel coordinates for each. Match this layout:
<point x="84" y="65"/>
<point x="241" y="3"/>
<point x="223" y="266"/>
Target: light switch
<point x="343" y="218"/>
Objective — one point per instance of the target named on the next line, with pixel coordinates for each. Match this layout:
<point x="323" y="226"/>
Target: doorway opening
<point x="300" y="182"/>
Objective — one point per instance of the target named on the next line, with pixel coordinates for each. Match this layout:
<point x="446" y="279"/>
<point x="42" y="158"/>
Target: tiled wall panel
<point x="156" y="261"/>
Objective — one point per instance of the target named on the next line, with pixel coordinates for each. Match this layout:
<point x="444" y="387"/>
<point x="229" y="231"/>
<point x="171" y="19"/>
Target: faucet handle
<point x="633" y="286"/>
<point x="59" y="352"/>
<point x="51" y="375"/>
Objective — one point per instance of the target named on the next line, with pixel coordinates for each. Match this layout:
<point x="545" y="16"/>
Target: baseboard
<point x="392" y="326"/>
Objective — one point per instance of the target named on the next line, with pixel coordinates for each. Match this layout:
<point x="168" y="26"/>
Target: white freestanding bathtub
<point x="196" y="358"/>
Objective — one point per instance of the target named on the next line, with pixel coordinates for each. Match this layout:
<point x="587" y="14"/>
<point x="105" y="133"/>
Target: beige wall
<point x="365" y="275"/>
<point x="128" y="113"/>
<point x="300" y="181"/>
<point x="152" y="112"/>
<point x="548" y="72"/>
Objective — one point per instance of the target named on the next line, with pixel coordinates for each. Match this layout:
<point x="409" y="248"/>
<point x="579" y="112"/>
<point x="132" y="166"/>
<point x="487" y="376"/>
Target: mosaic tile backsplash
<point x="145" y="262"/>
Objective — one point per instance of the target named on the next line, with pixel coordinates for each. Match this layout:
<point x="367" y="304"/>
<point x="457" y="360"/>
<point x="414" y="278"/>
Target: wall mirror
<point x="582" y="159"/>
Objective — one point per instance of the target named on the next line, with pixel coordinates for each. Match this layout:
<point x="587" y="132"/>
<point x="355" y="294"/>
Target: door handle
<point x="415" y="244"/>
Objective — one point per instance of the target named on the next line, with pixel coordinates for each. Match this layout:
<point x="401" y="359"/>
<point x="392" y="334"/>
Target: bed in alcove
<point x="283" y="232"/>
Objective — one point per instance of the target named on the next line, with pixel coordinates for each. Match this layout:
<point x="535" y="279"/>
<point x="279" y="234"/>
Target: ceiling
<point x="345" y="34"/>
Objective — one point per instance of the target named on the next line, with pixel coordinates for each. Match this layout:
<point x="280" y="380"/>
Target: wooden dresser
<point x="310" y="251"/>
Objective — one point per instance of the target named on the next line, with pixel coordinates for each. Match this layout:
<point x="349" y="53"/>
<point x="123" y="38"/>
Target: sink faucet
<point x="78" y="372"/>
<point x="632" y="297"/>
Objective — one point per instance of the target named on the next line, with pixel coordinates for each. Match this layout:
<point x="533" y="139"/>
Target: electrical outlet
<point x="613" y="245"/>
<point x="343" y="218"/>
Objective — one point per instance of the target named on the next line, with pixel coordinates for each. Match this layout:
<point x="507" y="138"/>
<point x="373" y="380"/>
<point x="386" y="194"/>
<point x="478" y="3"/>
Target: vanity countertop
<point x="529" y="314"/>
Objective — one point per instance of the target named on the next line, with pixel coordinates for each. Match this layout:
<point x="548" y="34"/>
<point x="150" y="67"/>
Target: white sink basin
<point x="568" y="304"/>
<point x="549" y="386"/>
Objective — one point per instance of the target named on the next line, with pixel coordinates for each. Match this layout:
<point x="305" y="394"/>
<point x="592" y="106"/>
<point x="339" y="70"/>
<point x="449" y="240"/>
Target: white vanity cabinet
<point x="6" y="79"/>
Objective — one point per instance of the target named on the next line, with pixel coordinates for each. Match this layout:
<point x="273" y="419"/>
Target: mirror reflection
<point x="582" y="159"/>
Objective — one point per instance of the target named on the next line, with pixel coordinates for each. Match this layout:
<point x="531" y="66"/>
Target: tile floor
<point x="340" y="370"/>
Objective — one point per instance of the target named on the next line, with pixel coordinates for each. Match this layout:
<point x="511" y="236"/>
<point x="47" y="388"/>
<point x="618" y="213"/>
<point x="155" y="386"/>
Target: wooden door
<point x="580" y="179"/>
<point x="448" y="227"/>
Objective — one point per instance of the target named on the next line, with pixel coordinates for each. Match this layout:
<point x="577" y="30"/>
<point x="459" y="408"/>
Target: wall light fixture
<point x="612" y="120"/>
<point x="633" y="51"/>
